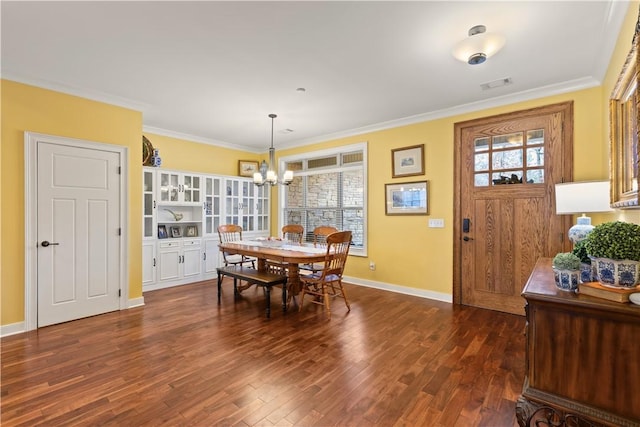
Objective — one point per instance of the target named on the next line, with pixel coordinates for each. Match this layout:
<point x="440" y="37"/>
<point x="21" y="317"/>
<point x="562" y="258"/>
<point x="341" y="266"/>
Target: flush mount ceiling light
<point x="479" y="46"/>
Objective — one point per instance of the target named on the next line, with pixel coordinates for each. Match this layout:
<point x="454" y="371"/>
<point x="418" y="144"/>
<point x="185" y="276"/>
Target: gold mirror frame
<point x="623" y="124"/>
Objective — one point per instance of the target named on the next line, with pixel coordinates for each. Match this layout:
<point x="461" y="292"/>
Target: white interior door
<point x="78" y="229"/>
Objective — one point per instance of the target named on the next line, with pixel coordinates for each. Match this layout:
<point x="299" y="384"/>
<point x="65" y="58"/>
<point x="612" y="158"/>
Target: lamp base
<point x="581" y="230"/>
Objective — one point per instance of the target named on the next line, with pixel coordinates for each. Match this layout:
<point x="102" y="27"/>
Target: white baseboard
<point x="18" y="328"/>
<point x="12" y="329"/>
<point x="438" y="296"/>
<point x="135" y="302"/>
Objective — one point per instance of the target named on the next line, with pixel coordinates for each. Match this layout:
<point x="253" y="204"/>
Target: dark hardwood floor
<point x="182" y="360"/>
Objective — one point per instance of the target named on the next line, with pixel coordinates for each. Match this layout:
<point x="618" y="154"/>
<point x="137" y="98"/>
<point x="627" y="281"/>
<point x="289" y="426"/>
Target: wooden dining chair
<point x="319" y="241"/>
<point x="320" y="235"/>
<point x="293" y="233"/>
<point x="233" y="233"/>
<point x="327" y="283"/>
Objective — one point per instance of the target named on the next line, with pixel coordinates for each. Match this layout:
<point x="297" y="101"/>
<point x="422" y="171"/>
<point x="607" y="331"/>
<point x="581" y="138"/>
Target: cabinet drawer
<point x="186" y="243"/>
<point x="169" y="244"/>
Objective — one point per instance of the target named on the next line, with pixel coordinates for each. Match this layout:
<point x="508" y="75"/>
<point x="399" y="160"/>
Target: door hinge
<point x="119" y="170"/>
<point x="119" y="292"/>
<point x="119" y="231"/>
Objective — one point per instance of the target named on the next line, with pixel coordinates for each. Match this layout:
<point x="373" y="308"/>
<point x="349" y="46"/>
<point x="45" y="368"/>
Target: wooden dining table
<point x="293" y="254"/>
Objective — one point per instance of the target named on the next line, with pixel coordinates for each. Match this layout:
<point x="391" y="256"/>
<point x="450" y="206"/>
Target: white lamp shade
<point x="582" y="197"/>
<point x="486" y="43"/>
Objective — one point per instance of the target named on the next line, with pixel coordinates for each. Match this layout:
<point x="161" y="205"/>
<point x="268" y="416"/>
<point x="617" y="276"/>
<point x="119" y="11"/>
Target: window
<point x="328" y="188"/>
<point x="516" y="158"/>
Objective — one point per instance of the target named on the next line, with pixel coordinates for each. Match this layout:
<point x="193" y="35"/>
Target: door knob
<point x="467" y="238"/>
<point x="46" y="243"/>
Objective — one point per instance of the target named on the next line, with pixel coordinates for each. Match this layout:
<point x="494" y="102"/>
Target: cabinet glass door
<point x="211" y="205"/>
<point x="262" y="208"/>
<point x="247" y="206"/>
<point x="232" y="202"/>
<point x="169" y="187"/>
<point x="191" y="188"/>
<point x="148" y="204"/>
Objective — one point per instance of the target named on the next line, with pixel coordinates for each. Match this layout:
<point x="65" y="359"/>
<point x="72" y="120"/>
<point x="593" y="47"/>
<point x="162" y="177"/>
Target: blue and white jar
<point x="567" y="280"/>
<point x="618" y="273"/>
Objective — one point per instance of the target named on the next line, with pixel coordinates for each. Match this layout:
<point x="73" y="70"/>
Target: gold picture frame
<point x="623" y="125"/>
<point x="191" y="231"/>
<point x="407" y="161"/>
<point x="247" y="167"/>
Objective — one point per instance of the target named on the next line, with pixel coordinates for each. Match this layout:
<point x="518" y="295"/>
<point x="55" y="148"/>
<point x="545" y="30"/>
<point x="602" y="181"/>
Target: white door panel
<point x="79" y="214"/>
<point x="169" y="263"/>
<point x="191" y="261"/>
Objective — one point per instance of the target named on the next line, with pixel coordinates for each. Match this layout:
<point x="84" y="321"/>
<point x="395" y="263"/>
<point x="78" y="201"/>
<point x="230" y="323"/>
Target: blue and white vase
<point x="567" y="280"/>
<point x="618" y="273"/>
<point x="155" y="159"/>
<point x="588" y="273"/>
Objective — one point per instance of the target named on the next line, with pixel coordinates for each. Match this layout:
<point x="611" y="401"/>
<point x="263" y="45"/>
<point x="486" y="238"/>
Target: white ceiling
<point x="213" y="71"/>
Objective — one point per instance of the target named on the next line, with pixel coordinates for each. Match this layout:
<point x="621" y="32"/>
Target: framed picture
<point x="623" y="126"/>
<point x="407" y="161"/>
<point x="162" y="232"/>
<point x="408" y="198"/>
<point x="175" y="232"/>
<point x="192" y="231"/>
<point x="247" y="168"/>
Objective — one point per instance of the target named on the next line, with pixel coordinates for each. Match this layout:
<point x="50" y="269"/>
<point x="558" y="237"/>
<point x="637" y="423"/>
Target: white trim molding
<point x="31" y="141"/>
<point x="437" y="296"/>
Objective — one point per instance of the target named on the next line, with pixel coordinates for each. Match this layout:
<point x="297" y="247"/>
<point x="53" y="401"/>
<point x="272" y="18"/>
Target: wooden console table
<point x="583" y="358"/>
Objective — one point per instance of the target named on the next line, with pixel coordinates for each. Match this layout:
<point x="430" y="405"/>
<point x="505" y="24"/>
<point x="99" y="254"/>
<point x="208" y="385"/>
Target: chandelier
<point x="268" y="173"/>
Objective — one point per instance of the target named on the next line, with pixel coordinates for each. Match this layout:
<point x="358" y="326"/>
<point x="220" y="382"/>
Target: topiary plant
<point x="580" y="250"/>
<point x="614" y="240"/>
<point x="566" y="261"/>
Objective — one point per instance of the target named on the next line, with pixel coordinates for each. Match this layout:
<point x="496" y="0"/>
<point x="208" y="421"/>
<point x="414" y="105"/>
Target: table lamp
<point x="581" y="198"/>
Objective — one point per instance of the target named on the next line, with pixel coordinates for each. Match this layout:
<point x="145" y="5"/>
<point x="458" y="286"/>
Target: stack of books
<point x="595" y="289"/>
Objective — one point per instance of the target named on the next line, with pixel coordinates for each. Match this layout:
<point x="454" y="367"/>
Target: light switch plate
<point x="436" y="223"/>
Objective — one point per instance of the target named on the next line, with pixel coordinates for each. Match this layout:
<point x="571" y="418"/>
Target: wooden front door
<point x="506" y="169"/>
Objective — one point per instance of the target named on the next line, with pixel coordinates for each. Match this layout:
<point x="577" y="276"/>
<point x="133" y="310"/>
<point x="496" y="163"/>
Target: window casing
<point x="329" y="188"/>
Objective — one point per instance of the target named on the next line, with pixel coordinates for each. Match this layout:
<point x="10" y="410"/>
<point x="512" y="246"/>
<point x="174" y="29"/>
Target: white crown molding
<point x="541" y="92"/>
<point x="199" y="139"/>
<point x="77" y="91"/>
<point x="613" y="24"/>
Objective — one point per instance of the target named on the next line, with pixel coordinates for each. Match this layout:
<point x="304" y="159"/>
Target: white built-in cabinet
<point x="148" y="263"/>
<point x="179" y="259"/>
<point x="246" y="205"/>
<point x="179" y="188"/>
<point x="181" y="215"/>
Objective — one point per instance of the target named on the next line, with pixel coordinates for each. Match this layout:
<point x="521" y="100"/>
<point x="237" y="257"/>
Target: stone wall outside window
<point x="323" y="204"/>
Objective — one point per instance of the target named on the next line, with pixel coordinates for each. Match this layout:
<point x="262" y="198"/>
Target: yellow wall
<point x="404" y="248"/>
<point x="192" y="156"/>
<point x="27" y="108"/>
<point x="613" y="72"/>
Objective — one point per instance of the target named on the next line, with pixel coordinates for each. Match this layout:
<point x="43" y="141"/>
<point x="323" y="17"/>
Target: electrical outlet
<point x="372" y="265"/>
<point x="436" y="223"/>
